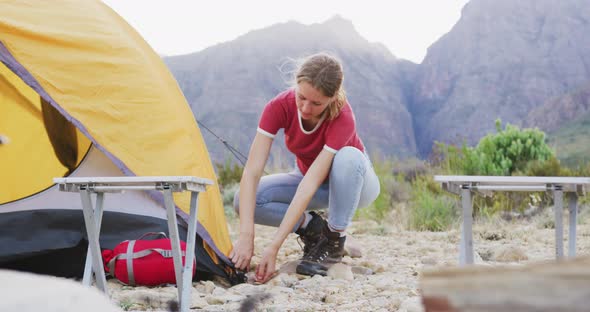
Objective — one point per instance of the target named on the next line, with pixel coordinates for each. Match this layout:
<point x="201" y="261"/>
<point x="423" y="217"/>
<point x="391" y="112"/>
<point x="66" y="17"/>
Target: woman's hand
<point x="266" y="268"/>
<point x="242" y="252"/>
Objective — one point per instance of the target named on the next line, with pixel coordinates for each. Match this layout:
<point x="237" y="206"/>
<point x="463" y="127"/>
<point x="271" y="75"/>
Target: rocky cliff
<point x="228" y="84"/>
<point x="526" y="62"/>
<point x="502" y="59"/>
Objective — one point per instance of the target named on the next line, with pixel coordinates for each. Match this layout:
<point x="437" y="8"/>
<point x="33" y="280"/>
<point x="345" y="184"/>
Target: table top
<point x="513" y="183"/>
<point x="511" y="179"/>
<point x="177" y="183"/>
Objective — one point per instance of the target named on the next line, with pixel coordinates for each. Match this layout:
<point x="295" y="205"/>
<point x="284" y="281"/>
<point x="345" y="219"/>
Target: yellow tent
<point x="75" y="77"/>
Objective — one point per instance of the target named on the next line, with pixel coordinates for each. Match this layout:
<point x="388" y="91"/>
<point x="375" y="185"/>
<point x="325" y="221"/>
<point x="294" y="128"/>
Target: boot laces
<point x="323" y="248"/>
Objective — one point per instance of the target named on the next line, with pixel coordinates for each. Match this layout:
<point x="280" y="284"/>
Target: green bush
<point x="227" y="195"/>
<point x="430" y="208"/>
<point x="228" y="173"/>
<point x="506" y="151"/>
<point x="511" y="151"/>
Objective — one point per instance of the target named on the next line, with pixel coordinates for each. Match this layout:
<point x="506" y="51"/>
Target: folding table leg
<point x="558" y="199"/>
<point x="174" y="239"/>
<point x="88" y="275"/>
<point x="573" y="207"/>
<point x="466" y="247"/>
<point x="187" y="272"/>
<point x="93" y="242"/>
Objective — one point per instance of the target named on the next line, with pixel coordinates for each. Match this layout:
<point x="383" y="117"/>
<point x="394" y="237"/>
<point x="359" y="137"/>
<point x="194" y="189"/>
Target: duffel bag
<point x="144" y="262"/>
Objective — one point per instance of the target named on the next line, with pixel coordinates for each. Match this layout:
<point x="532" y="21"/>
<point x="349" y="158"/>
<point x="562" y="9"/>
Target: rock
<point x="284" y="280"/>
<point x="362" y="270"/>
<point x="341" y="271"/>
<point x="352" y="247"/>
<point x="429" y="260"/>
<point x="26" y="292"/>
<point x="246" y="289"/>
<point x="509" y="253"/>
<point x="209" y="287"/>
<point x="197" y="302"/>
<point x="218" y="291"/>
<point x="214" y="299"/>
<point x="477" y="258"/>
<point x="289" y="267"/>
<point x="335" y="299"/>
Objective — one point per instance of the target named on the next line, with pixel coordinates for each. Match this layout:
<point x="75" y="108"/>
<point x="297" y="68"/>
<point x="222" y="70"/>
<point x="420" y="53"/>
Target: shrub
<point x="507" y="151"/>
<point x="227" y="195"/>
<point x="228" y="174"/>
<point x="430" y="208"/>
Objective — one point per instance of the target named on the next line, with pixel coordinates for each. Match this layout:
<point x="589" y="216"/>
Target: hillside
<point x="502" y="59"/>
<point x="526" y="62"/>
<point x="572" y="141"/>
<point x="228" y="84"/>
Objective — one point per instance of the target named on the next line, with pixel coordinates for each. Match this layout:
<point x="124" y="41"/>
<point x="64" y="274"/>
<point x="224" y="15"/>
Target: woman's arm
<point x="257" y="157"/>
<point x="314" y="177"/>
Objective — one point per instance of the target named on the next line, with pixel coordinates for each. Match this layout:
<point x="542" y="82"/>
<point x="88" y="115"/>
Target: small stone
<point x="197" y="302"/>
<point x="428" y="260"/>
<point x="362" y="270"/>
<point x="214" y="300"/>
<point x="245" y="289"/>
<point x="289" y="267"/>
<point x="352" y="247"/>
<point x="336" y="299"/>
<point x="283" y="280"/>
<point x="341" y="271"/>
<point x="218" y="291"/>
<point x="209" y="287"/>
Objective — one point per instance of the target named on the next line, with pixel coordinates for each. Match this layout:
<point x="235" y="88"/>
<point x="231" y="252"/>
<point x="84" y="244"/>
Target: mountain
<point x="228" y="84"/>
<point x="571" y="141"/>
<point x="526" y="62"/>
<point x="566" y="119"/>
<point x="556" y="112"/>
<point x="503" y="59"/>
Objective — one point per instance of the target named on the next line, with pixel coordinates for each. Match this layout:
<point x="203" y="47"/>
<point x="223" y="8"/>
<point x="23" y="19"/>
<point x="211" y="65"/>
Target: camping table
<point x="466" y="185"/>
<point x="167" y="184"/>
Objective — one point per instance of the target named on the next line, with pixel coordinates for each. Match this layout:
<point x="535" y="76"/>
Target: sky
<point x="174" y="27"/>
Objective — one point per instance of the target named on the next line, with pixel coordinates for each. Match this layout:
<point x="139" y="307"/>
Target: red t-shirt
<point x="332" y="135"/>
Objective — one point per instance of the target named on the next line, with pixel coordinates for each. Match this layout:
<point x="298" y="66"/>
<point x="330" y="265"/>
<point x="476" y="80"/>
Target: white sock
<point x="306" y="218"/>
<point x="342" y="233"/>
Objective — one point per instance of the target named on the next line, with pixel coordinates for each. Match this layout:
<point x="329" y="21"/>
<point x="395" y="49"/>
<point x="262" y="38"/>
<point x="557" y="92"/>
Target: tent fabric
<point x="26" y="132"/>
<point x="95" y="70"/>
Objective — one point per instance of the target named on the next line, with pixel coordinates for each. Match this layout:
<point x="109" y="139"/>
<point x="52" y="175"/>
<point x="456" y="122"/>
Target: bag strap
<point x="130" y="255"/>
<point x="130" y="274"/>
<point x="153" y="233"/>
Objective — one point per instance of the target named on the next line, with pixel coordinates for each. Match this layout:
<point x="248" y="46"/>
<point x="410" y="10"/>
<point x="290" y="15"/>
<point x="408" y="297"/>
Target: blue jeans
<point x="352" y="184"/>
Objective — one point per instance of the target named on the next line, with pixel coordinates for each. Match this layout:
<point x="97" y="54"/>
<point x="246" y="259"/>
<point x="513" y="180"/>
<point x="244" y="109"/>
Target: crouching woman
<point x="333" y="171"/>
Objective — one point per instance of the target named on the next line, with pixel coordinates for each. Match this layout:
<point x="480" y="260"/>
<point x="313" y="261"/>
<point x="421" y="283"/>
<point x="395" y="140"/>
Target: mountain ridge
<point x="502" y="59"/>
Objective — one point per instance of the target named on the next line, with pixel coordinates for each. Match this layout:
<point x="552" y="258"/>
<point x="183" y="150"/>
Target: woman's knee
<point x="349" y="160"/>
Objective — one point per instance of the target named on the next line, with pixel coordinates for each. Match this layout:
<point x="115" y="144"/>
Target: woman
<point x="333" y="171"/>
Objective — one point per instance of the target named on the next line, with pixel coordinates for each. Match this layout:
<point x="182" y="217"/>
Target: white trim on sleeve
<point x="266" y="133"/>
<point x="329" y="149"/>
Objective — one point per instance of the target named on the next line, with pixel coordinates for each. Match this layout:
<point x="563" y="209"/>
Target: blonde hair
<point x="324" y="72"/>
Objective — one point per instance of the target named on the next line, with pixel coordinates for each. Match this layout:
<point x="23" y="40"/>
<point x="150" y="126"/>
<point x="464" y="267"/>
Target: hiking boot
<point x="329" y="250"/>
<point x="310" y="236"/>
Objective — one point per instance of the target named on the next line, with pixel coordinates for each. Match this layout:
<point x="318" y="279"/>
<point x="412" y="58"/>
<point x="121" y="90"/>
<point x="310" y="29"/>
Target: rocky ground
<point x="385" y="278"/>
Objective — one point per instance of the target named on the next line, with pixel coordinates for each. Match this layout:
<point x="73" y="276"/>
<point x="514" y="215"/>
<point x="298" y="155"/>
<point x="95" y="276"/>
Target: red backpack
<point x="143" y="262"/>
